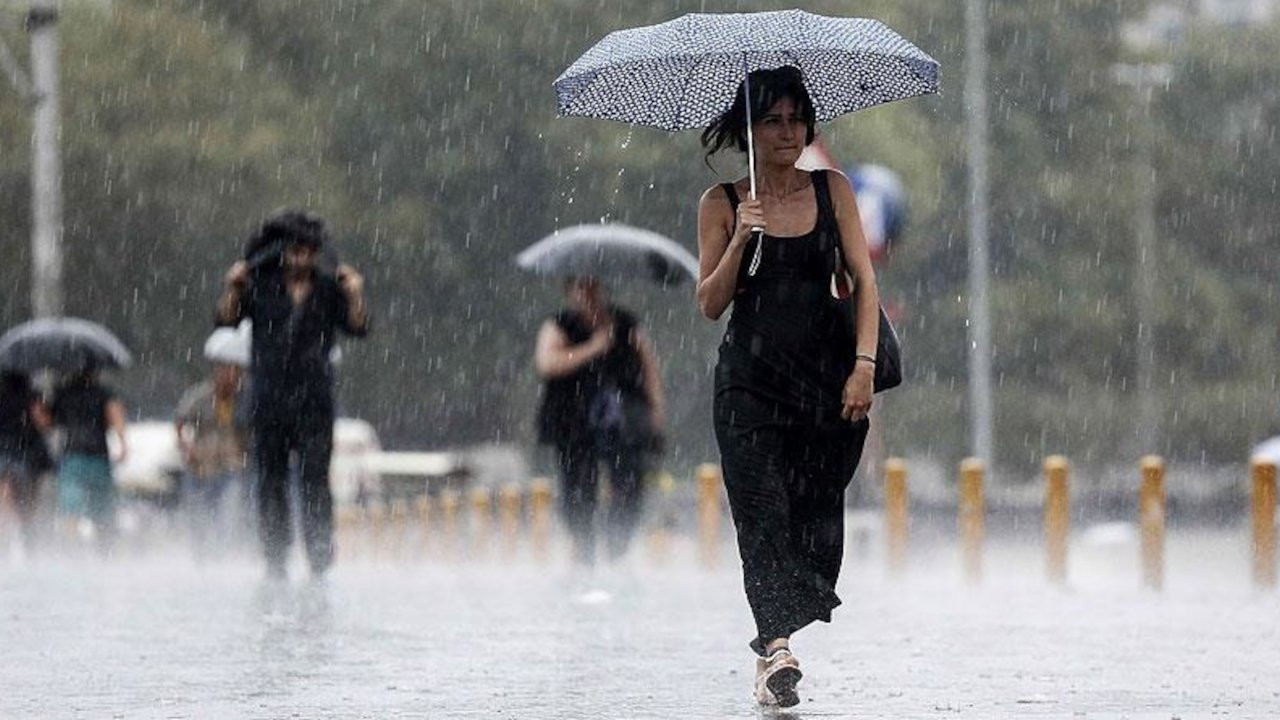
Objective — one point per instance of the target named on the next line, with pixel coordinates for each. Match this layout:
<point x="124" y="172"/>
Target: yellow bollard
<point x="449" y="503"/>
<point x="972" y="517"/>
<point x="540" y="517"/>
<point x="481" y="520"/>
<point x="660" y="537"/>
<point x="896" y="512"/>
<point x="1151" y="520"/>
<point x="423" y="507"/>
<point x="398" y="527"/>
<point x="509" y="518"/>
<point x="1264" y="523"/>
<point x="348" y="521"/>
<point x="709" y="483"/>
<point x="1057" y="516"/>
<point x="375" y="513"/>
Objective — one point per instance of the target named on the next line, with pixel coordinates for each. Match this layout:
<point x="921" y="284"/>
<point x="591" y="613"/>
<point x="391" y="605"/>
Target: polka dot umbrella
<point x="684" y="73"/>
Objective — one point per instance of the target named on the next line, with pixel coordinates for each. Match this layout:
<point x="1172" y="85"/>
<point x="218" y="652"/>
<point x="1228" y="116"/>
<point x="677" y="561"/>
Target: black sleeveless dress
<point x="787" y="454"/>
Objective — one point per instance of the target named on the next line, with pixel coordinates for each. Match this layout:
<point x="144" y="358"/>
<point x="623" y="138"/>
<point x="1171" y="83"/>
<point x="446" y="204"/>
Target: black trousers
<point x="580" y="465"/>
<point x="785" y="479"/>
<point x="310" y="436"/>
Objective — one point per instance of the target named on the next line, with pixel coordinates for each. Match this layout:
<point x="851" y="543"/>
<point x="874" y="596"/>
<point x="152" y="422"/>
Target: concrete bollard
<point x="509" y="506"/>
<point x="540" y="517"/>
<point x="972" y="517"/>
<point x="1151" y="521"/>
<point x="709" y="482"/>
<point x="1264" y="523"/>
<point x="1057" y="517"/>
<point x="896" y="512"/>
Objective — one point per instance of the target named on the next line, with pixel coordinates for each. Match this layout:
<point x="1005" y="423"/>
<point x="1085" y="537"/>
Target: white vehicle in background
<point x="153" y="468"/>
<point x="351" y="477"/>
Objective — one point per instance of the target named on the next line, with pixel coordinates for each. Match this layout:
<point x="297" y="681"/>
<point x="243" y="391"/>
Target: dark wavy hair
<point x="767" y="88"/>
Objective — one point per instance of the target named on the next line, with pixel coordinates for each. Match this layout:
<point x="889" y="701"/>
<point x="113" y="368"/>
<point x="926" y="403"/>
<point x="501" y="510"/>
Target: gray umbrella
<point x="65" y="344"/>
<point x="610" y="251"/>
<point x="684" y="73"/>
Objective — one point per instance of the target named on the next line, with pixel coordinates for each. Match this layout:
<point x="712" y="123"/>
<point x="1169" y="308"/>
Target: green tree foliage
<point x="426" y="134"/>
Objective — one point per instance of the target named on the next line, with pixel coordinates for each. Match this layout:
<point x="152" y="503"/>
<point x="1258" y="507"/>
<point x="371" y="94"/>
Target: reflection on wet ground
<point x="155" y="636"/>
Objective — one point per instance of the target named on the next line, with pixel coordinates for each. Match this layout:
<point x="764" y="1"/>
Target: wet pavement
<point x="154" y="636"/>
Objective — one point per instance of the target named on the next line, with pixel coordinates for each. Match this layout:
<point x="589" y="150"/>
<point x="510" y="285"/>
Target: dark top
<point x="784" y="334"/>
<point x="576" y="406"/>
<point x="81" y="411"/>
<point x="290" y="358"/>
<point x="20" y="439"/>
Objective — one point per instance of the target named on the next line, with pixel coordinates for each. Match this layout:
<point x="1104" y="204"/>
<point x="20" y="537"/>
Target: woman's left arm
<point x="866" y="297"/>
<point x="652" y="378"/>
<point x="116" y="422"/>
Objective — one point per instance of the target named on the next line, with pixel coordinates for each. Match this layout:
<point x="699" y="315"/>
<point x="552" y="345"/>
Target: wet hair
<point x="573" y="281"/>
<point x="767" y="88"/>
<point x="284" y="227"/>
<point x="295" y="227"/>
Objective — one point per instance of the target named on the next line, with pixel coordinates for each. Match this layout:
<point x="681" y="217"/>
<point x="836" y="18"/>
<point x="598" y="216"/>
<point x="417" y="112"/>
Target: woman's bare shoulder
<point x="716" y="193"/>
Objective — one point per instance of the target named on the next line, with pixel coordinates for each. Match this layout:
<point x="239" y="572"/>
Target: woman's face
<point x="299" y="257"/>
<point x="780" y="133"/>
<point x="586" y="296"/>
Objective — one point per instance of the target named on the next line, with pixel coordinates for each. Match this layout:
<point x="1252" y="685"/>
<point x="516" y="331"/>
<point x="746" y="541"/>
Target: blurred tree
<point x="426" y="134"/>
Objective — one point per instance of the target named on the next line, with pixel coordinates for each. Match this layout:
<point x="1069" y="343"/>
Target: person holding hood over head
<point x="297" y="306"/>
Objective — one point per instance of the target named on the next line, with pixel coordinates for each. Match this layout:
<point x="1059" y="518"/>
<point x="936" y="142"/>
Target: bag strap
<point x="732" y="193"/>
<point x="827" y="216"/>
<point x="822" y="191"/>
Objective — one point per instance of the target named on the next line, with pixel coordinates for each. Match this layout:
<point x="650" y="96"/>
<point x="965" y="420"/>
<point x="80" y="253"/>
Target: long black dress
<point x="787" y="454"/>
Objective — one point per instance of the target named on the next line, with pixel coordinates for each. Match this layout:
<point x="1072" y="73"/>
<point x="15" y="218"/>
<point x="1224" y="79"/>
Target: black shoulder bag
<point x="888" y="371"/>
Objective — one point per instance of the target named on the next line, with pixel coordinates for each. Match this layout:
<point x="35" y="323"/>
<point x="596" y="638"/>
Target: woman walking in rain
<point x="85" y="411"/>
<point x="603" y="402"/>
<point x="23" y="455"/>
<point x="791" y="400"/>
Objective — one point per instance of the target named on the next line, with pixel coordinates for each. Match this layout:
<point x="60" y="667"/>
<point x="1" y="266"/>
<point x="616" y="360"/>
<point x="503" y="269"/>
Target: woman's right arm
<point x="720" y="250"/>
<point x="230" y="309"/>
<point x="554" y="357"/>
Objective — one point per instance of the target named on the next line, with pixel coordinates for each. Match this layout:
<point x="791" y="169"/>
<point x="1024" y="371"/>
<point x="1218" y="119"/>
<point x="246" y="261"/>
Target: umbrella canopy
<point x="610" y="251"/>
<point x="684" y="73"/>
<point x="64" y="344"/>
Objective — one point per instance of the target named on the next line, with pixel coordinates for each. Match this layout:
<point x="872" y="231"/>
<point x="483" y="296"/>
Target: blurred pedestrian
<point x="791" y="403"/>
<point x="297" y="306"/>
<point x="603" y="403"/>
<point x="212" y="437"/>
<point x="85" y="411"/>
<point x="24" y="457"/>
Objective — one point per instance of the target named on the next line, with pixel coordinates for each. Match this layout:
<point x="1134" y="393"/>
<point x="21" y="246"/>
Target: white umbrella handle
<point x="751" y="163"/>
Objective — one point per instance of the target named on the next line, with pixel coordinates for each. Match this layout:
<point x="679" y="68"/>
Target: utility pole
<point x="1143" y="78"/>
<point x="981" y="406"/>
<point x="46" y="165"/>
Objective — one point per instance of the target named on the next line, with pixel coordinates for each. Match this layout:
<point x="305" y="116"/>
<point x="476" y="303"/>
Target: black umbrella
<point x="65" y="344"/>
<point x="610" y="251"/>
